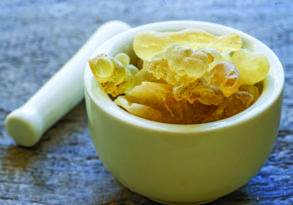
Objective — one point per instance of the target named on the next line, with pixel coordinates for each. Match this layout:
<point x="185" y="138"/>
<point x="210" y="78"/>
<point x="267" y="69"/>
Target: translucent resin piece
<point x="139" y="110"/>
<point x="160" y="104"/>
<point x="147" y="44"/>
<point x="253" y="67"/>
<point x="123" y="58"/>
<point x="234" y="104"/>
<point x="230" y="42"/>
<point x="178" y="65"/>
<point x="225" y="76"/>
<point x="186" y="61"/>
<point x="251" y="89"/>
<point x="151" y="94"/>
<point x="102" y="67"/>
<point x="116" y="75"/>
<point x="199" y="91"/>
<point x="147" y="100"/>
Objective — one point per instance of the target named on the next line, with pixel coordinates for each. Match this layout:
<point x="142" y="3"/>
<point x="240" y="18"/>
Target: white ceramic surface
<point x="59" y="95"/>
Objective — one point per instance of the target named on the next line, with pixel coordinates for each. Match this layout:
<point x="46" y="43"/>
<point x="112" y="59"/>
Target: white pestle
<point x="59" y="95"/>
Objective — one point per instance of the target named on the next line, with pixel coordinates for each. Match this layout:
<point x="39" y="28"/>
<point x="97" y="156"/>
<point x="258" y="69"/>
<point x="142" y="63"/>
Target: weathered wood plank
<point x="37" y="37"/>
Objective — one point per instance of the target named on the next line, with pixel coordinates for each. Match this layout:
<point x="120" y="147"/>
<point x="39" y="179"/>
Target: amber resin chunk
<point x="116" y="75"/>
<point x="183" y="77"/>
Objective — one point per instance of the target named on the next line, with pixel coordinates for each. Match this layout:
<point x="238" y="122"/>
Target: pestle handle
<point x="59" y="95"/>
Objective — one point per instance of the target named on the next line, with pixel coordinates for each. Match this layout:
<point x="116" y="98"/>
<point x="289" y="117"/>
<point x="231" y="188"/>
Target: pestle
<point x="59" y="95"/>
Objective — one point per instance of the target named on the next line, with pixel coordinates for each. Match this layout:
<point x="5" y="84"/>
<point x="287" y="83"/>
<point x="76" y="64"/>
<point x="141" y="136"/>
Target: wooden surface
<point x="37" y="37"/>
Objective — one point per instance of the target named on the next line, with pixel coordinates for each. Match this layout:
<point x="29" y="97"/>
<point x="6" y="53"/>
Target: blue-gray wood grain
<point x="37" y="37"/>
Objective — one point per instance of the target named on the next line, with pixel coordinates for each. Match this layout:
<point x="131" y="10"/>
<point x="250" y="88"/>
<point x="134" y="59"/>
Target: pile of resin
<point x="183" y="77"/>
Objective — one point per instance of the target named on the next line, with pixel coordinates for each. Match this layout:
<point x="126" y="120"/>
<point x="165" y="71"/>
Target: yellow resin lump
<point x="225" y="76"/>
<point x="253" y="67"/>
<point x="183" y="77"/>
<point x="149" y="43"/>
<point x="155" y="101"/>
<point x="115" y="75"/>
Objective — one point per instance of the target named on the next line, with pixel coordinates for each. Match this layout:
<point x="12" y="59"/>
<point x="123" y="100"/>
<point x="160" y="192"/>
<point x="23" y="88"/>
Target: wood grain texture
<point x="37" y="37"/>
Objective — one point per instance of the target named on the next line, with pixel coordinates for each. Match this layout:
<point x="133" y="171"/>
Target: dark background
<point x="37" y="37"/>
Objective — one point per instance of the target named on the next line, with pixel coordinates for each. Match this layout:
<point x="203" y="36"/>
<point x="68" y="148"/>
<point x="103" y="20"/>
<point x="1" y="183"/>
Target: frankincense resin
<point x="183" y="77"/>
